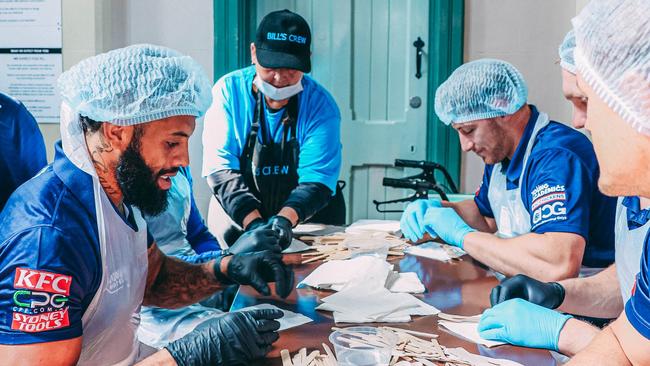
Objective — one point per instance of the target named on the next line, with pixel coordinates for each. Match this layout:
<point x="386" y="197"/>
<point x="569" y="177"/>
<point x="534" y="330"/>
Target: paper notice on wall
<point x="30" y="55"/>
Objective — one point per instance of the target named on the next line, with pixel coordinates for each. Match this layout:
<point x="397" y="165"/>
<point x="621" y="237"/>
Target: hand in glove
<point x="233" y="339"/>
<point x="255" y="224"/>
<point x="257" y="241"/>
<point x="447" y="224"/>
<point x="256" y="269"/>
<point x="283" y="227"/>
<point x="547" y="294"/>
<point x="412" y="221"/>
<point x="523" y="323"/>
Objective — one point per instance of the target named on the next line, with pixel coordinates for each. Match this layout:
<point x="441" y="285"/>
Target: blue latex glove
<point x="523" y="323"/>
<point x="447" y="224"/>
<point x="412" y="221"/>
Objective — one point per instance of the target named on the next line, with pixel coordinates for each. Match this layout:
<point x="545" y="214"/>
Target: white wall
<point x="94" y="26"/>
<point x="526" y="33"/>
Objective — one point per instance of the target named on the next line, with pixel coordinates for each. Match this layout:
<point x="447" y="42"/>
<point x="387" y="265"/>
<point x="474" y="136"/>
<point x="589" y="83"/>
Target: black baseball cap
<point x="282" y="41"/>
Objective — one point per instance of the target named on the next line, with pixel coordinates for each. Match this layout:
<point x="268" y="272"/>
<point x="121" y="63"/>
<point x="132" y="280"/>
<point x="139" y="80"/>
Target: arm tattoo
<point x="172" y="283"/>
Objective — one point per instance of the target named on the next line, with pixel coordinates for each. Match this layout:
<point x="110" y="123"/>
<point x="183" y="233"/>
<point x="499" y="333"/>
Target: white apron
<point x="159" y="326"/>
<point x="510" y="213"/>
<point x="108" y="326"/>
<point x="629" y="245"/>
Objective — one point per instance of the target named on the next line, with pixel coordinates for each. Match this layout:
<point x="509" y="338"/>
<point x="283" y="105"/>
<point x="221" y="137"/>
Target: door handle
<point x="419" y="45"/>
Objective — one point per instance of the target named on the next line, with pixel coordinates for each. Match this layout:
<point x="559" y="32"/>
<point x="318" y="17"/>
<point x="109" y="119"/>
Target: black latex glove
<point x="255" y="224"/>
<point x="283" y="227"/>
<point x="547" y="294"/>
<point x="256" y="269"/>
<point x="257" y="241"/>
<point x="233" y="339"/>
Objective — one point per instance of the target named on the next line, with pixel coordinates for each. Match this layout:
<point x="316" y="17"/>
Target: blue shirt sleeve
<point x="20" y="141"/>
<point x="637" y="308"/>
<point x="45" y="287"/>
<point x="320" y="148"/>
<point x="557" y="193"/>
<point x="222" y="142"/>
<point x="198" y="235"/>
<point x="481" y="196"/>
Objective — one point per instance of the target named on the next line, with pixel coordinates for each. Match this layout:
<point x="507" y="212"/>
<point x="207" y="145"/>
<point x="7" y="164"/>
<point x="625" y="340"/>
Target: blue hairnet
<point x="612" y="55"/>
<point x="136" y="84"/>
<point x="481" y="89"/>
<point x="566" y="52"/>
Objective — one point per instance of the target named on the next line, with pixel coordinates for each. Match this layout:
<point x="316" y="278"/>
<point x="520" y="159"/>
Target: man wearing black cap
<point x="272" y="151"/>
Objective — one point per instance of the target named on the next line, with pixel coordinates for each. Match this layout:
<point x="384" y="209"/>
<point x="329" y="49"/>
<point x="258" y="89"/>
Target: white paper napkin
<point x="337" y="274"/>
<point x="373" y="226"/>
<point x="289" y="320"/>
<point x="434" y="251"/>
<point x="469" y="331"/>
<point x="404" y="282"/>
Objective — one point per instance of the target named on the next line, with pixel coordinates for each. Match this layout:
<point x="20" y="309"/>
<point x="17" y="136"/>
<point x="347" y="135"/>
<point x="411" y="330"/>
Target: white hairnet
<point x="481" y="89"/>
<point x="613" y="56"/>
<point x="566" y="52"/>
<point x="136" y="84"/>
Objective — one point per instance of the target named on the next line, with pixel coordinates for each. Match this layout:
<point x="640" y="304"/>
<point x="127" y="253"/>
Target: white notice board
<point x="30" y="55"/>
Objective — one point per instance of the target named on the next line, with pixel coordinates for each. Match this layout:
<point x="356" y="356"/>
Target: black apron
<point x="270" y="169"/>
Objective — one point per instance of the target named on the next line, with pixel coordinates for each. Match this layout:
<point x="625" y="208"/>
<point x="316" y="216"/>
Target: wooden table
<point x="456" y="288"/>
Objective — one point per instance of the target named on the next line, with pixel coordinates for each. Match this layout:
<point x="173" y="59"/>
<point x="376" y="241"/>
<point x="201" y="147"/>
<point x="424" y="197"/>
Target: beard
<point x="138" y="182"/>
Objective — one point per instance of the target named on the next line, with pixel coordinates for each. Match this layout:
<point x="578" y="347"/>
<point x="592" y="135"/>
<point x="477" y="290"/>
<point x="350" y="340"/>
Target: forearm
<point x="603" y="350"/>
<point x="234" y="195"/>
<point x="172" y="283"/>
<point x="307" y="199"/>
<point x="596" y="296"/>
<point x="160" y="358"/>
<point x="575" y="336"/>
<point x="537" y="255"/>
<point x="469" y="212"/>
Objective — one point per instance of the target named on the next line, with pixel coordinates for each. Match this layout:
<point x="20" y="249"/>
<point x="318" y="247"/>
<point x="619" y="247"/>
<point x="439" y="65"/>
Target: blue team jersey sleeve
<point x="320" y="145"/>
<point x="637" y="308"/>
<point x="45" y="287"/>
<point x="557" y="193"/>
<point x="198" y="235"/>
<point x="481" y="195"/>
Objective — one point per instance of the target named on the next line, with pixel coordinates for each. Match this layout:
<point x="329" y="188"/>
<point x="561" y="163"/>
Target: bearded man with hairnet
<point x="76" y="258"/>
<point x="538" y="210"/>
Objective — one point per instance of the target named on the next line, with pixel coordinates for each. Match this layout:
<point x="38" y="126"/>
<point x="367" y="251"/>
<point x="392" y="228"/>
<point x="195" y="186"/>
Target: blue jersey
<point x="637" y="308"/>
<point x="560" y="189"/>
<point x="50" y="261"/>
<point x="229" y="119"/>
<point x="22" y="150"/>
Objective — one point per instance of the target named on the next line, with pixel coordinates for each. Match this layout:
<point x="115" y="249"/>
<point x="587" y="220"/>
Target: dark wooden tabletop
<point x="461" y="288"/>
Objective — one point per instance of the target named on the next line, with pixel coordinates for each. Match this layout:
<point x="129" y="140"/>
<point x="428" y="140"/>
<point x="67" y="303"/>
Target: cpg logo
<point x="31" y="279"/>
<point x="37" y="299"/>
<point x="546" y="211"/>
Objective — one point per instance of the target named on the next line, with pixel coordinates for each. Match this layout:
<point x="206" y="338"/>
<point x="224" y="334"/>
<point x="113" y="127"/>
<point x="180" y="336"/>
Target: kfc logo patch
<point x="41" y="322"/>
<point x="32" y="279"/>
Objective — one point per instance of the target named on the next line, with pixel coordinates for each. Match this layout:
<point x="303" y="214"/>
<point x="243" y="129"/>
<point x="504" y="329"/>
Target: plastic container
<point x="362" y="354"/>
<point x="365" y="245"/>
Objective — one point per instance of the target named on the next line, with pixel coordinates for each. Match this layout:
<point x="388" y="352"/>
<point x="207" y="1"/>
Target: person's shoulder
<point x="45" y="201"/>
<point x="558" y="139"/>
<point x="235" y="78"/>
<point x="7" y="102"/>
<point x="317" y="95"/>
<point x="12" y="110"/>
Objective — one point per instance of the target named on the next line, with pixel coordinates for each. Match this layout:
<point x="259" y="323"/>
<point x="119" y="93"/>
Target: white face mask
<point x="277" y="93"/>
